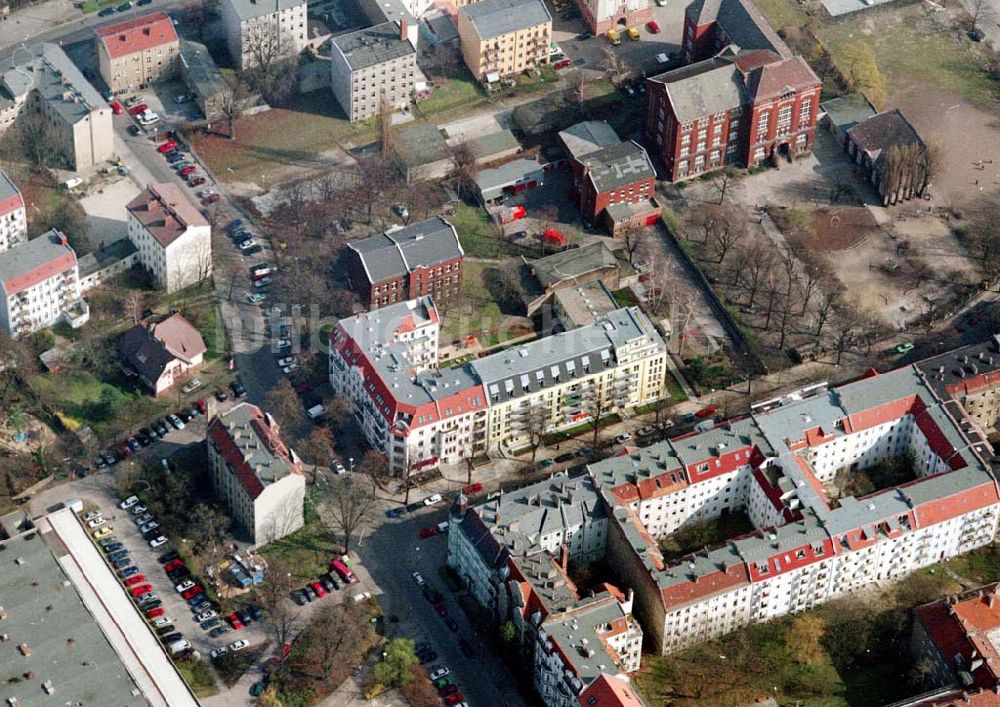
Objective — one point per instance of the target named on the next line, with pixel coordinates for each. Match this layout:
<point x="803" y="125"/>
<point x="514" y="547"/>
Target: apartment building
<point x="138" y="52"/>
<point x="257" y="475"/>
<point x="514" y="554"/>
<point x="262" y="31"/>
<point x="502" y="38"/>
<point x="13" y="220"/>
<point x="40" y="286"/>
<point x="561" y="381"/>
<point x="42" y="81"/>
<point x="371" y="66"/>
<point x="385" y="363"/>
<point x="602" y="15"/>
<point x="173" y="238"/>
<point x="743" y="100"/>
<point x="423" y="258"/>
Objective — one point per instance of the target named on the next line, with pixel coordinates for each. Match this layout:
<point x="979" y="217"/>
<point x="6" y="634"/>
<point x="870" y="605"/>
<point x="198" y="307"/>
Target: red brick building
<point x="424" y="258"/>
<point x="744" y="100"/>
<point x="610" y="173"/>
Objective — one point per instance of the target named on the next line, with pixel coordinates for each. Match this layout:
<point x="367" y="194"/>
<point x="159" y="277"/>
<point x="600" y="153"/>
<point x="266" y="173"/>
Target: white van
<point x="72" y="183"/>
<point x="315" y="411"/>
<point x="179" y="646"/>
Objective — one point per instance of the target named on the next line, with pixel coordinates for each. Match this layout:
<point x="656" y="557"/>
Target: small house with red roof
<point x="257" y="475"/>
<point x="138" y="52"/>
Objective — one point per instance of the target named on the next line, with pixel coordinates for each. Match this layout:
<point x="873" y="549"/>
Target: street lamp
<point x="350" y="462"/>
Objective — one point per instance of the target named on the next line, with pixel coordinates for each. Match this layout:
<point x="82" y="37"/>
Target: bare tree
<point x="280" y="619"/>
<point x="576" y="91"/>
<point x="348" y="507"/>
<point x="598" y="404"/>
<point x="636" y="243"/>
<point x="230" y="103"/>
<point x="844" y="331"/>
<point x="535" y="428"/>
<point x="615" y="66"/>
<point x="40" y="141"/>
<point x="722" y="179"/>
<point x="826" y="303"/>
<point x="903" y="172"/>
<point x="758" y="263"/>
<point x="465" y="169"/>
<point x="317" y="445"/>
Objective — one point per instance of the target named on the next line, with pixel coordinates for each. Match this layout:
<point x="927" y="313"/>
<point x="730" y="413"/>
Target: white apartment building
<point x="40" y="286"/>
<point x="261" y="31"/>
<point x="173" y="238"/>
<point x="420" y="415"/>
<point x="13" y="221"/>
<point x="385" y="363"/>
<point x="255" y="473"/>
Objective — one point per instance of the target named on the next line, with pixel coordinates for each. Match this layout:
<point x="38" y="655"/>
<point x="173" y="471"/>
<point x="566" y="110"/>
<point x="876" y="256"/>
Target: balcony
<point x="76" y="314"/>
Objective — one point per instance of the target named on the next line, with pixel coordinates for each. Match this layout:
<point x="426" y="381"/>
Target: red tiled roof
<point x="137" y="34"/>
<point x="165" y="212"/>
<point x="948" y="507"/>
<point x="610" y="691"/>
<point x="705" y="585"/>
<point x="11" y="203"/>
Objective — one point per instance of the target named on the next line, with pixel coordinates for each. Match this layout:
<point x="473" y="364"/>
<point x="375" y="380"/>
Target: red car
<point x="193" y="591"/>
<point x="132" y="581"/>
<point x="428" y="532"/>
<point x="554" y="236"/>
<point x="136" y="110"/>
<point x="155" y="613"/>
<point x="448" y="690"/>
<point x="653" y="27"/>
<point x="202" y="406"/>
<point x="441" y="609"/>
<point x="454" y="698"/>
<point x="167" y="146"/>
<point x="173" y="564"/>
<point x="126" y="450"/>
<point x="139" y="590"/>
<point x="210" y="199"/>
<point x="195" y="181"/>
<point x="188" y="170"/>
<point x="472" y="488"/>
<point x="318" y="588"/>
<point x="116" y="108"/>
<point x="563" y="63"/>
<point x="234" y="621"/>
<point x="706" y="411"/>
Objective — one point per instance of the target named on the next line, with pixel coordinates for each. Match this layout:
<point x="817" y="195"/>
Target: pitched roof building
<point x="138" y="52"/>
<point x="423" y="258"/>
<point x="161" y="354"/>
<point x="173" y="237"/>
<point x="880" y="145"/>
<point x="257" y="475"/>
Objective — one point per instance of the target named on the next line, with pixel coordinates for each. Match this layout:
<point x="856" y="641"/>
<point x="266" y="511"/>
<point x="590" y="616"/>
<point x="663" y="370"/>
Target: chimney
<point x="402" y="28"/>
<point x="564" y="557"/>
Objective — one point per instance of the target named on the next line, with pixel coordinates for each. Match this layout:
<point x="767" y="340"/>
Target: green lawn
<point x="485" y="312"/>
<point x="198" y="675"/>
<point x="95" y="5"/>
<point x="448" y="94"/>
<point x="307" y="551"/>
<point x="476" y="230"/>
<point x="268" y="143"/>
<point x="529" y="84"/>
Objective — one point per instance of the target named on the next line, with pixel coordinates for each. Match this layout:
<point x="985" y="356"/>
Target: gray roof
<point x="106" y="256"/>
<point x="27" y="256"/>
<point x="847" y="111"/>
<point x="582" y="624"/>
<point x="703" y="88"/>
<point x="583" y="304"/>
<point x="398" y="252"/>
<point x="495" y="179"/>
<point x="249" y="9"/>
<point x="7" y="187"/>
<point x="420" y="144"/>
<point x="50" y="72"/>
<point x="572" y="263"/>
<point x="200" y="71"/>
<point x="144" y="354"/>
<point x="618" y="165"/>
<point x="486" y="146"/>
<point x="956" y="367"/>
<point x="741" y="22"/>
<point x="561" y="357"/>
<point x="495" y="18"/>
<point x="589" y="136"/>
<point x="373" y="46"/>
<point x="68" y="648"/>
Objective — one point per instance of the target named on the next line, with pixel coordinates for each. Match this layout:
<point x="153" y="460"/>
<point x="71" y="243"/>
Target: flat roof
<point x="120" y="664"/>
<point x="248" y="9"/>
<point x="420" y="144"/>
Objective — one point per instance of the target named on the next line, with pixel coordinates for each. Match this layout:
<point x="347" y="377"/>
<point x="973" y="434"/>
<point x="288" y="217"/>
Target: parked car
<point x="431" y="500"/>
<point x="239" y="390"/>
<point x="103" y="532"/>
<point x="185" y="171"/>
<point x="239" y="645"/>
<point x="157" y="541"/>
<point x="418" y="578"/>
<point x="175" y="422"/>
<point x="653" y="27"/>
<point x="210" y="199"/>
<point x="440" y="672"/>
<point x="167" y="146"/>
<point x="623" y="438"/>
<point x="137" y="109"/>
<point x="218" y="651"/>
<point x="218" y="631"/>
<point x="195" y="180"/>
<point x="116" y="108"/>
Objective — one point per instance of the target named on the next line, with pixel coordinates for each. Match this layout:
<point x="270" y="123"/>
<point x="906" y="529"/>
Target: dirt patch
<point x="841" y="228"/>
<point x="970" y="164"/>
